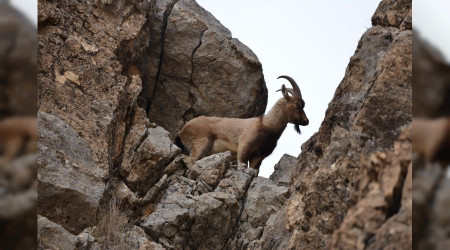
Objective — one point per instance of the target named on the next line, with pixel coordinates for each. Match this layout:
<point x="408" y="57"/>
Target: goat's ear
<point x="285" y="92"/>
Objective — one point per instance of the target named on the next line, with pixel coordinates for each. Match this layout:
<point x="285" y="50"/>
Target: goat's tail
<point x="177" y="141"/>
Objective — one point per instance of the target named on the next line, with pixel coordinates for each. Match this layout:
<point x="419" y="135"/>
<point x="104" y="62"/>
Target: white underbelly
<point x="222" y="146"/>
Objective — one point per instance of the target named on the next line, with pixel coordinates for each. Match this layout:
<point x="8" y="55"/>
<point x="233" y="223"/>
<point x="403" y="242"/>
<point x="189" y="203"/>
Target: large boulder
<point x="208" y="73"/>
<point x="71" y="185"/>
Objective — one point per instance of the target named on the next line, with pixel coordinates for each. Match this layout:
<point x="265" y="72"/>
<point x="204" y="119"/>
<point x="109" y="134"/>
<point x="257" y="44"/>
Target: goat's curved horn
<point x="295" y="87"/>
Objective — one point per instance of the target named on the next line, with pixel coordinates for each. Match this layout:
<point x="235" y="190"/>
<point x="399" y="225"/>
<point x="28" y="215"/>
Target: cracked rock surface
<point x="116" y="80"/>
<point x="195" y="214"/>
<point x="202" y="70"/>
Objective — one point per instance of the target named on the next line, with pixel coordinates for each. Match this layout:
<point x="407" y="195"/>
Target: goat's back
<point x="216" y="127"/>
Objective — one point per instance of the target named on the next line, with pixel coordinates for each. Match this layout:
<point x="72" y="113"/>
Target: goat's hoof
<point x="242" y="165"/>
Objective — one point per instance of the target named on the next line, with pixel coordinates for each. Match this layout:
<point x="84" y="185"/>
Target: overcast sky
<point x="432" y="20"/>
<point x="28" y="7"/>
<point x="311" y="41"/>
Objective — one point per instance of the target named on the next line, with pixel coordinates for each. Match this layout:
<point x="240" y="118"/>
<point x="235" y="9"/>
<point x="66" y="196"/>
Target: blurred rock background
<point x="431" y="140"/>
<point x="18" y="130"/>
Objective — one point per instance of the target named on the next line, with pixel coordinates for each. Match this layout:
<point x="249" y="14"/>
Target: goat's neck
<point x="276" y="120"/>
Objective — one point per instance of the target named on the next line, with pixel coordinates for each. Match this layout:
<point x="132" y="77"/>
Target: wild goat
<point x="249" y="140"/>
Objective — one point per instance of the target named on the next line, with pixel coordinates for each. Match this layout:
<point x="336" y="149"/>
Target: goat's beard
<point x="297" y="128"/>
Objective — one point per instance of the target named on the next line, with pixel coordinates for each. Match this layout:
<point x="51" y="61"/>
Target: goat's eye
<point x="297" y="105"/>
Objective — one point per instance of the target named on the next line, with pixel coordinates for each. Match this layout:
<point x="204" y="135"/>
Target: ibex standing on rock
<point x="249" y="140"/>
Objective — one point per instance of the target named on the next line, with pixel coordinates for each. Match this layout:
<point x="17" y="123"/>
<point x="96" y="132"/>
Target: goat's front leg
<point x="242" y="158"/>
<point x="200" y="148"/>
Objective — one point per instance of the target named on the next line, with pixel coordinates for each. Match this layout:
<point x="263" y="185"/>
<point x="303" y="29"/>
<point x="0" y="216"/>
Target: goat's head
<point x="294" y="104"/>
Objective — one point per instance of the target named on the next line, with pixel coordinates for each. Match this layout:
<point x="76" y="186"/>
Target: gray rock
<point x="54" y="236"/>
<point x="144" y="162"/>
<point x="154" y="35"/>
<point x="236" y="184"/>
<point x="177" y="164"/>
<point x="214" y="216"/>
<point x="85" y="240"/>
<point x="203" y="75"/>
<point x="125" y="197"/>
<point x="264" y="198"/>
<point x="275" y="235"/>
<point x="165" y="220"/>
<point x="70" y="183"/>
<point x="193" y="215"/>
<point x="284" y="170"/>
<point x="210" y="171"/>
<point x="151" y="194"/>
<point x="138" y="240"/>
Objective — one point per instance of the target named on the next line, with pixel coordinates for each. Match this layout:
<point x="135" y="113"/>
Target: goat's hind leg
<point x="255" y="163"/>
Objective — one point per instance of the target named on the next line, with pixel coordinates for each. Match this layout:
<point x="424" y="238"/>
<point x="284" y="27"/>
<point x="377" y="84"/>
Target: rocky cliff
<point x="332" y="202"/>
<point x="117" y="79"/>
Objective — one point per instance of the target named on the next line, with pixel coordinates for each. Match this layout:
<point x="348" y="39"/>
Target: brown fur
<point x="249" y="140"/>
<point x="17" y="135"/>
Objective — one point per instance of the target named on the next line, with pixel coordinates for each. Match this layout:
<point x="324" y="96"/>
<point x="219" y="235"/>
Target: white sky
<point x="311" y="41"/>
<point x="432" y="20"/>
<point x="28" y="7"/>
